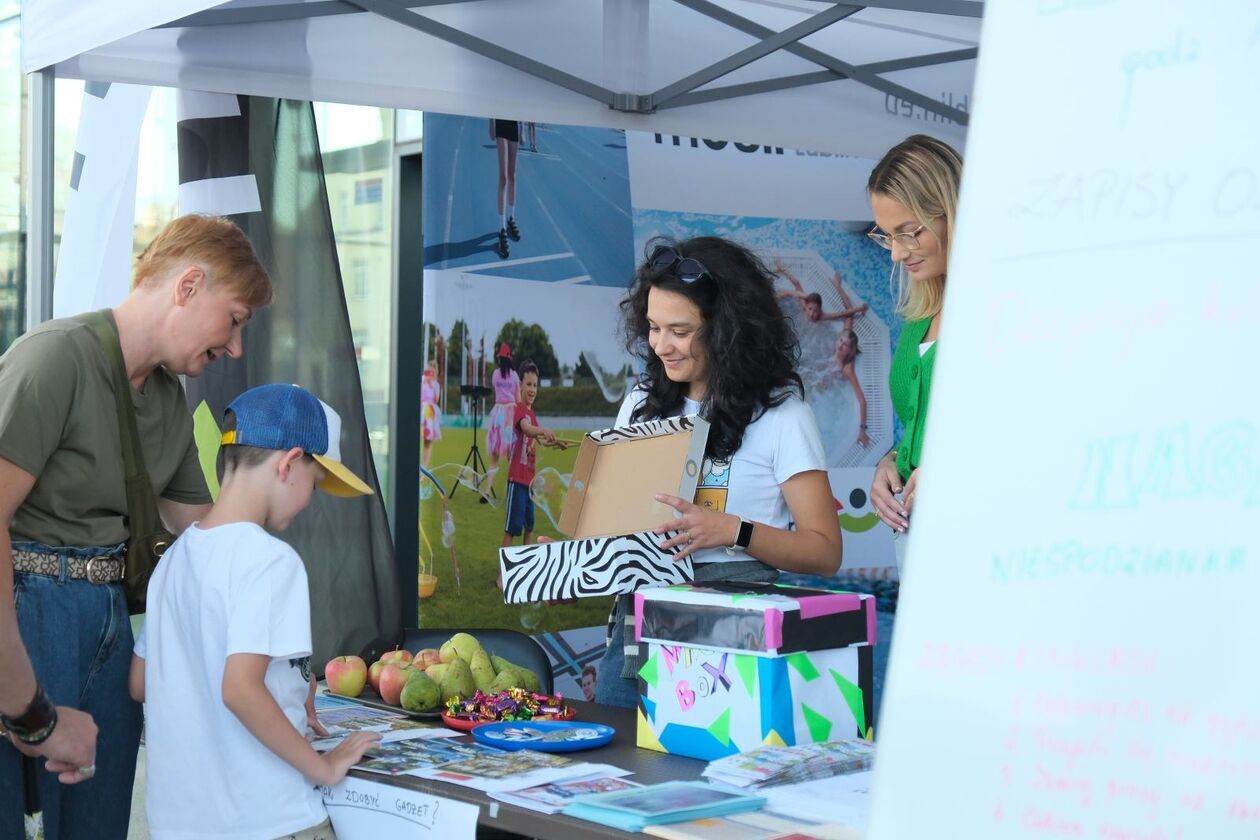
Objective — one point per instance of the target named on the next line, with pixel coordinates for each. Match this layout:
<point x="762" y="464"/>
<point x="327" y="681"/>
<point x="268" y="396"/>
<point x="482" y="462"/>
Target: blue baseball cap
<point x="286" y="416"/>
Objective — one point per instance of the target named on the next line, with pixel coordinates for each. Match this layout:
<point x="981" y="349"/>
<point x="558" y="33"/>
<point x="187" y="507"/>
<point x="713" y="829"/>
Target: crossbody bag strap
<point x="128" y="433"/>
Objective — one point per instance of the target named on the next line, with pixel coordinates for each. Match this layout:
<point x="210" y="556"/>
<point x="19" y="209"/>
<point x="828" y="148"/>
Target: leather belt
<point x="102" y="569"/>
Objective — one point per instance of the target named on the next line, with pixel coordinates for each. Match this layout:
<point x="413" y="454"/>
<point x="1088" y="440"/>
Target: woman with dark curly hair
<point x="703" y="317"/>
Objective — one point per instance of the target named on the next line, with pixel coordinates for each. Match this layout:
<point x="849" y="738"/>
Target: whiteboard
<point x="1078" y="631"/>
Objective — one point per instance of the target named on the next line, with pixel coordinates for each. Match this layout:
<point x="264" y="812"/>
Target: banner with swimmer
<point x="532" y="233"/>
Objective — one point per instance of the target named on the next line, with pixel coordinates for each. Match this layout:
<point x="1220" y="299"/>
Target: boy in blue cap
<point x="223" y="661"/>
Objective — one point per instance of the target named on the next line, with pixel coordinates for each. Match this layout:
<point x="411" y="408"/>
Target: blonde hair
<point x="922" y="174"/>
<point x="216" y="245"/>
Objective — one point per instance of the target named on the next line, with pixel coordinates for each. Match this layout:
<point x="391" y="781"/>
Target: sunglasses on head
<point x="685" y="269"/>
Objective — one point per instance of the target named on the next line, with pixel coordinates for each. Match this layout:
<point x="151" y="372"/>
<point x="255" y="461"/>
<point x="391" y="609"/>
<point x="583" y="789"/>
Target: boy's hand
<point x="345" y="755"/>
<point x="548" y="436"/>
<point x="312" y="720"/>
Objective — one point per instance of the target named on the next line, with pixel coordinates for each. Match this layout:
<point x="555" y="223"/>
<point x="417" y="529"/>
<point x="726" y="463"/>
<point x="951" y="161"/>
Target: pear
<point x="529" y="680"/>
<point x="482" y="671"/>
<point x="420" y="694"/>
<point x="457" y="681"/>
<point x="506" y="680"/>
<point x="532" y="683"/>
<point x="465" y="645"/>
<point x="435" y="672"/>
<point x="448" y="653"/>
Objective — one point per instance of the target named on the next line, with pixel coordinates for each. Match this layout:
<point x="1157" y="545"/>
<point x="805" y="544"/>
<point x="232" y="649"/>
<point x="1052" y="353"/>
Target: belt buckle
<point x="106" y="575"/>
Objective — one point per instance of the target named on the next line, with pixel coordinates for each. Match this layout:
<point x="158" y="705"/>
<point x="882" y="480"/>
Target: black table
<point x="648" y="767"/>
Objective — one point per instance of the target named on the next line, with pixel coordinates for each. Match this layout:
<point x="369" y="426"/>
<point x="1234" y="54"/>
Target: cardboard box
<point x="732" y="666"/>
<point x="764" y="619"/>
<point x="709" y="703"/>
<point x="609" y="511"/>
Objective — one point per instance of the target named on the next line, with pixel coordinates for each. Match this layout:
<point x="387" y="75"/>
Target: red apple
<point x="399" y="657"/>
<point x="425" y="658"/>
<point x="346" y="675"/>
<point x="393" y="678"/>
<point x="374" y="675"/>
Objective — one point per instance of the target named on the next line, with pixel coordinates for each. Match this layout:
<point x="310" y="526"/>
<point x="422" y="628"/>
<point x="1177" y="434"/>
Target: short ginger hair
<point x="218" y="247"/>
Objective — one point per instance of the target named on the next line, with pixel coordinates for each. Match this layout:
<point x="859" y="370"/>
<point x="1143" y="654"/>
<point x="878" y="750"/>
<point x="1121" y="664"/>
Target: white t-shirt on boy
<point x="219" y="591"/>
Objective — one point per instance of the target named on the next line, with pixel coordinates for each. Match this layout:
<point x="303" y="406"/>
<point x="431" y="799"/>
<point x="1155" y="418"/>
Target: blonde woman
<point x="914" y="198"/>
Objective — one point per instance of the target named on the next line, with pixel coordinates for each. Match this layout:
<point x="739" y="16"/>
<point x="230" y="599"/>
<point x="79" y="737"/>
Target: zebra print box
<point x="610" y="511"/>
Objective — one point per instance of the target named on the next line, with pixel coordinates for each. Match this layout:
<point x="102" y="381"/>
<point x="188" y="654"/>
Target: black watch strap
<point x="35" y="724"/>
<point x="744" y="538"/>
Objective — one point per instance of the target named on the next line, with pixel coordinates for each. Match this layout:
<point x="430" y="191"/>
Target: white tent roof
<point x="859" y="78"/>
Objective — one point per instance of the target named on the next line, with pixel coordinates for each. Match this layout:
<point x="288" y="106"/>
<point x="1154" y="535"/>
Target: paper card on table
<point x="841" y="799"/>
<point x="666" y="799"/>
<point x="406" y="756"/>
<point x="365" y="810"/>
<point x="523" y="778"/>
<point x="499" y="765"/>
<point x="754" y="825"/>
<point x="668" y="802"/>
<point x="552" y="798"/>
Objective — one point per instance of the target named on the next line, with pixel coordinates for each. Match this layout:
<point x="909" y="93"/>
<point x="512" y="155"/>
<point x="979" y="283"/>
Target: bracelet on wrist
<point x="34" y="725"/>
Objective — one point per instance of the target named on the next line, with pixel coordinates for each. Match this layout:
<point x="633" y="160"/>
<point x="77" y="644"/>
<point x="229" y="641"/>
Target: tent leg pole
<point x="39" y="199"/>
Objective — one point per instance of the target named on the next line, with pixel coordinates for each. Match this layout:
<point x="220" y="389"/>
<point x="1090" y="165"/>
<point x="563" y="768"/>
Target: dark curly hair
<point x="749" y="345"/>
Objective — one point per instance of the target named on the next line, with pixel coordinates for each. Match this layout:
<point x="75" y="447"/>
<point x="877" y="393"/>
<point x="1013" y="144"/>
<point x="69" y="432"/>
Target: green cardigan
<point x="909" y="383"/>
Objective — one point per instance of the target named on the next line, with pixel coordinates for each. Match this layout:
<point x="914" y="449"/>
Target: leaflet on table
<point x="632" y="810"/>
<point x="840" y="799"/>
<point x="553" y="798"/>
<point x="398" y="757"/>
<point x="754" y="825"/>
<point x="341" y="717"/>
<point x="474" y="765"/>
<point x="777" y="765"/>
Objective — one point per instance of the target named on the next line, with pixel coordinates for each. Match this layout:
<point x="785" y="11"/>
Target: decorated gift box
<point x="763" y="619"/>
<point x="609" y="512"/>
<point x="752" y="665"/>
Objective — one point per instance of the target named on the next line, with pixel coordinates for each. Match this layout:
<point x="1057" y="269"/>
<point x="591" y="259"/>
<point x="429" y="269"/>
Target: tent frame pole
<point x="856" y="73"/>
<point x="39" y="197"/>
<point x="679" y="93"/>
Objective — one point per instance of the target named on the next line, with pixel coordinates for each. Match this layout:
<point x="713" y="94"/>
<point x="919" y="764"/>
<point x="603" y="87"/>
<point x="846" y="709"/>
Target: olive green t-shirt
<point x="58" y="421"/>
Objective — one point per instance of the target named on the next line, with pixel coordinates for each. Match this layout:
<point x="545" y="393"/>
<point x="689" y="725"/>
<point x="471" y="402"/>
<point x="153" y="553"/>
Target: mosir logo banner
<point x="720" y="177"/>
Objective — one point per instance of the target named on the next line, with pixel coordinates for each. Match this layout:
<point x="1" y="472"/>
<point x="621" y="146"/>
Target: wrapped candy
<point x="515" y="704"/>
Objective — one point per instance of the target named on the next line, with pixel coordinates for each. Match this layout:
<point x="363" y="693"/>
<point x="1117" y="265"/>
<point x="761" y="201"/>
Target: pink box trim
<point x="840" y="602"/>
<point x="638" y="617"/>
<point x="774" y="629"/>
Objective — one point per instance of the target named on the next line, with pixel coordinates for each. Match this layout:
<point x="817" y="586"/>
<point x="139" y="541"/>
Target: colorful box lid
<point x="757" y="618"/>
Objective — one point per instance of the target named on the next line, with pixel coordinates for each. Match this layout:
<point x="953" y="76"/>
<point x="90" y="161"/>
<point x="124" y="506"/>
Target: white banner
<point x="365" y="810"/>
<point x="695" y="175"/>
<point x="93" y="266"/>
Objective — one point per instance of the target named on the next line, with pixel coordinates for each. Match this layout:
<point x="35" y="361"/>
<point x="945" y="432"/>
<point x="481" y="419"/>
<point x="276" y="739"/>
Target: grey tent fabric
<point x="304" y="338"/>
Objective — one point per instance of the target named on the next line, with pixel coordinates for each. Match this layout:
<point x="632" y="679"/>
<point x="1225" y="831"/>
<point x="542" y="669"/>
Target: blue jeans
<point x="78" y="636"/>
<point x="612" y="689"/>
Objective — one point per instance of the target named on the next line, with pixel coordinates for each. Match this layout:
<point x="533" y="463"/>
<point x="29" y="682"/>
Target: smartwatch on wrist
<point x="743" y="537"/>
<point x="34" y="725"/>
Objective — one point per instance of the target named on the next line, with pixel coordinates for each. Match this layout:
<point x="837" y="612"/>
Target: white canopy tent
<point x="799" y="74"/>
<point x="822" y="76"/>
<point x="804" y="74"/>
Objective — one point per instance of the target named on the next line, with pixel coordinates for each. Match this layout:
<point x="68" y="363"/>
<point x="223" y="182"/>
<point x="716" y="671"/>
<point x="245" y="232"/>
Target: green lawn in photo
<point x="478" y="536"/>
